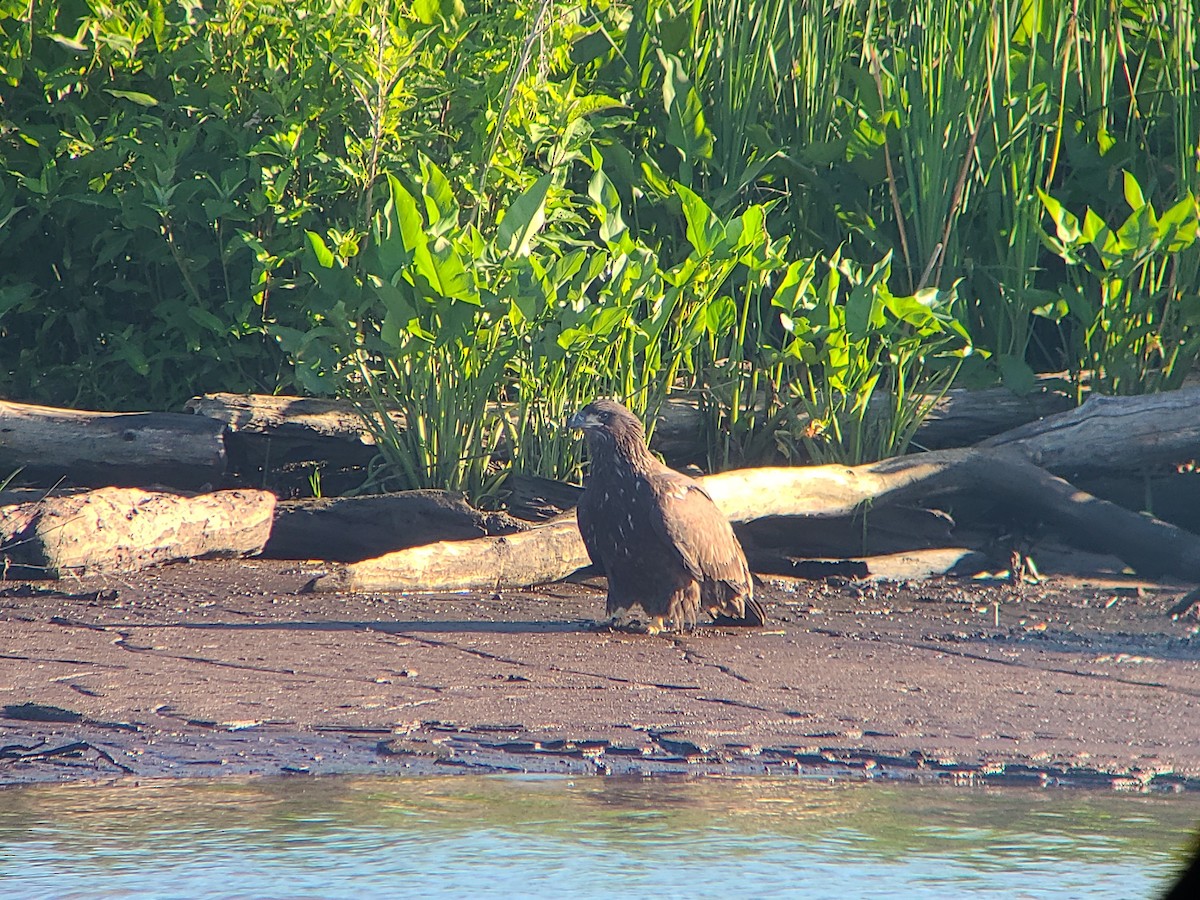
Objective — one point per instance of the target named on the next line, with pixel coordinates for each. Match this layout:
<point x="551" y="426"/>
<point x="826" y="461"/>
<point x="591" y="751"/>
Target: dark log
<point x="1111" y="434"/>
<point x="280" y="442"/>
<point x="125" y="529"/>
<point x="96" y="448"/>
<point x="350" y="529"/>
<point x="959" y="418"/>
<point x="285" y="417"/>
<point x="875" y="532"/>
<point x="276" y="435"/>
<point x="911" y="565"/>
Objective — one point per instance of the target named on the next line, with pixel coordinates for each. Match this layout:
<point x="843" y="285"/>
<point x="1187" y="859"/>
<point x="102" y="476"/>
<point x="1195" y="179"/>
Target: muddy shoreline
<point x="228" y="669"/>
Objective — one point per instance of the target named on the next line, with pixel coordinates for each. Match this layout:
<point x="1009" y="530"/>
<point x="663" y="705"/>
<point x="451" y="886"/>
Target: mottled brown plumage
<point x="655" y="533"/>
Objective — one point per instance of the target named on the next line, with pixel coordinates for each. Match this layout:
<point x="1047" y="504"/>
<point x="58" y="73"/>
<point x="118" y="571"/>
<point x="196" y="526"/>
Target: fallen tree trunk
<point x="279" y="442"/>
<point x="114" y="530"/>
<point x="959" y="418"/>
<point x="313" y="430"/>
<point x="1111" y="433"/>
<point x="912" y="565"/>
<point x="544" y="553"/>
<point x="349" y="529"/>
<point x="98" y="448"/>
<point x="1005" y="472"/>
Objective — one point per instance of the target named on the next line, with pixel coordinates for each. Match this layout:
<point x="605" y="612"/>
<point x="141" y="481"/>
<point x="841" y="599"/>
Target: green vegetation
<point x="811" y="216"/>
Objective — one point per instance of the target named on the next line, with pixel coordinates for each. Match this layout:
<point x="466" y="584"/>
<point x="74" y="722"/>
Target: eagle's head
<point x="607" y="424"/>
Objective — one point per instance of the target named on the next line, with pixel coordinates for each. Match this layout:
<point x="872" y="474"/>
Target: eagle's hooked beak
<point x="583" y="420"/>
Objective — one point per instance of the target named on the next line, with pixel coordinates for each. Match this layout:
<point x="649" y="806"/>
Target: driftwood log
<point x="125" y="529"/>
<point x="348" y="529"/>
<point x="279" y="442"/>
<point x="1005" y="471"/>
<point x="1108" y="434"/>
<point x="106" y="449"/>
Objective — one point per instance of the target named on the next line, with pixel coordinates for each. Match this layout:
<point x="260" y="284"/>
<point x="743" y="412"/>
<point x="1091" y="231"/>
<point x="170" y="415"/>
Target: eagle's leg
<point x="684" y="606"/>
<point x="616" y="612"/>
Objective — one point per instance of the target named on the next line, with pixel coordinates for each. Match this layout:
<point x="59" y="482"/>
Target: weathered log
<point x="304" y="431"/>
<point x="958" y="418"/>
<point x="543" y="553"/>
<point x="879" y="531"/>
<point x="98" y="448"/>
<point x="911" y="565"/>
<point x="279" y="442"/>
<point x="285" y="417"/>
<point x="555" y="549"/>
<point x="1112" y="433"/>
<point x="125" y="529"/>
<point x="349" y="529"/>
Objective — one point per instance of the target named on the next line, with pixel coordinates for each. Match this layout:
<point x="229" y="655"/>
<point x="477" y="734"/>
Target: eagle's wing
<point x="585" y="517"/>
<point x="687" y="519"/>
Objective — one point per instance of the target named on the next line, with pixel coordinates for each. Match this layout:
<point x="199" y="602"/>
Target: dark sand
<point x="226" y="668"/>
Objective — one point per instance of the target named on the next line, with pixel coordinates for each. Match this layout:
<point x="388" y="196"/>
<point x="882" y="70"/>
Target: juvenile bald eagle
<point x="655" y="533"/>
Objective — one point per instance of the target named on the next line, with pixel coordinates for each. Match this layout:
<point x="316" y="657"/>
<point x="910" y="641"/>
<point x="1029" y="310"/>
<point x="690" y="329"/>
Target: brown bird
<point x="655" y="533"/>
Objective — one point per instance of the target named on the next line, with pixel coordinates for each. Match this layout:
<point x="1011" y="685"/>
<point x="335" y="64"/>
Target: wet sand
<point x="228" y="668"/>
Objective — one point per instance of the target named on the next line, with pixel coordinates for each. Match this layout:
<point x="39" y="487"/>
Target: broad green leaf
<point x="206" y="320"/>
<point x="323" y="253"/>
<point x="134" y="96"/>
<point x="524" y="218"/>
<point x="1015" y="373"/>
<point x="686" y="131"/>
<point x="720" y="315"/>
<point x="862" y="311"/>
<point x="703" y="229"/>
<point x="607" y="206"/>
<point x="795" y="284"/>
<point x="158" y="23"/>
<point x="1065" y="224"/>
<point x="1094" y="229"/>
<point x="1133" y="191"/>
<point x="441" y="207"/>
<point x="1179" y="224"/>
<point x="402" y="239"/>
<point x="432" y="12"/>
<point x="591" y="46"/>
<point x="450" y="276"/>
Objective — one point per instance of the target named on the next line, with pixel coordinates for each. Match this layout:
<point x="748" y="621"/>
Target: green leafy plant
<point x="872" y="363"/>
<point x="1131" y="292"/>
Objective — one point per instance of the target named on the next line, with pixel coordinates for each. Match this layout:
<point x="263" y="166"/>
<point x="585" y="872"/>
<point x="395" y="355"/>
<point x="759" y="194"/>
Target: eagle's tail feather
<point x="755" y="614"/>
<point x="753" y="617"/>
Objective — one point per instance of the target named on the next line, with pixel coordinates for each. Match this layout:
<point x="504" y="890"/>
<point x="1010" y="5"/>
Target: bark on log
<point x="910" y="565"/>
<point x="544" y="553"/>
<point x="1003" y="472"/>
<point x="1112" y="433"/>
<point x="277" y="442"/>
<point x="113" y="530"/>
<point x="879" y="531"/>
<point x="959" y="418"/>
<point x="349" y="529"/>
<point x="98" y="448"/>
<point x="286" y="417"/>
<point x="309" y="431"/>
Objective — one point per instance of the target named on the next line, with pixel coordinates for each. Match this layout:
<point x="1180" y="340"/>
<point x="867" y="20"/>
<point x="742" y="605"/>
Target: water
<point x="583" y="838"/>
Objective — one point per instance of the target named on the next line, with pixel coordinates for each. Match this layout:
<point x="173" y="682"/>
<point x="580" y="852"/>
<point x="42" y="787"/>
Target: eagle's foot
<point x="622" y="623"/>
